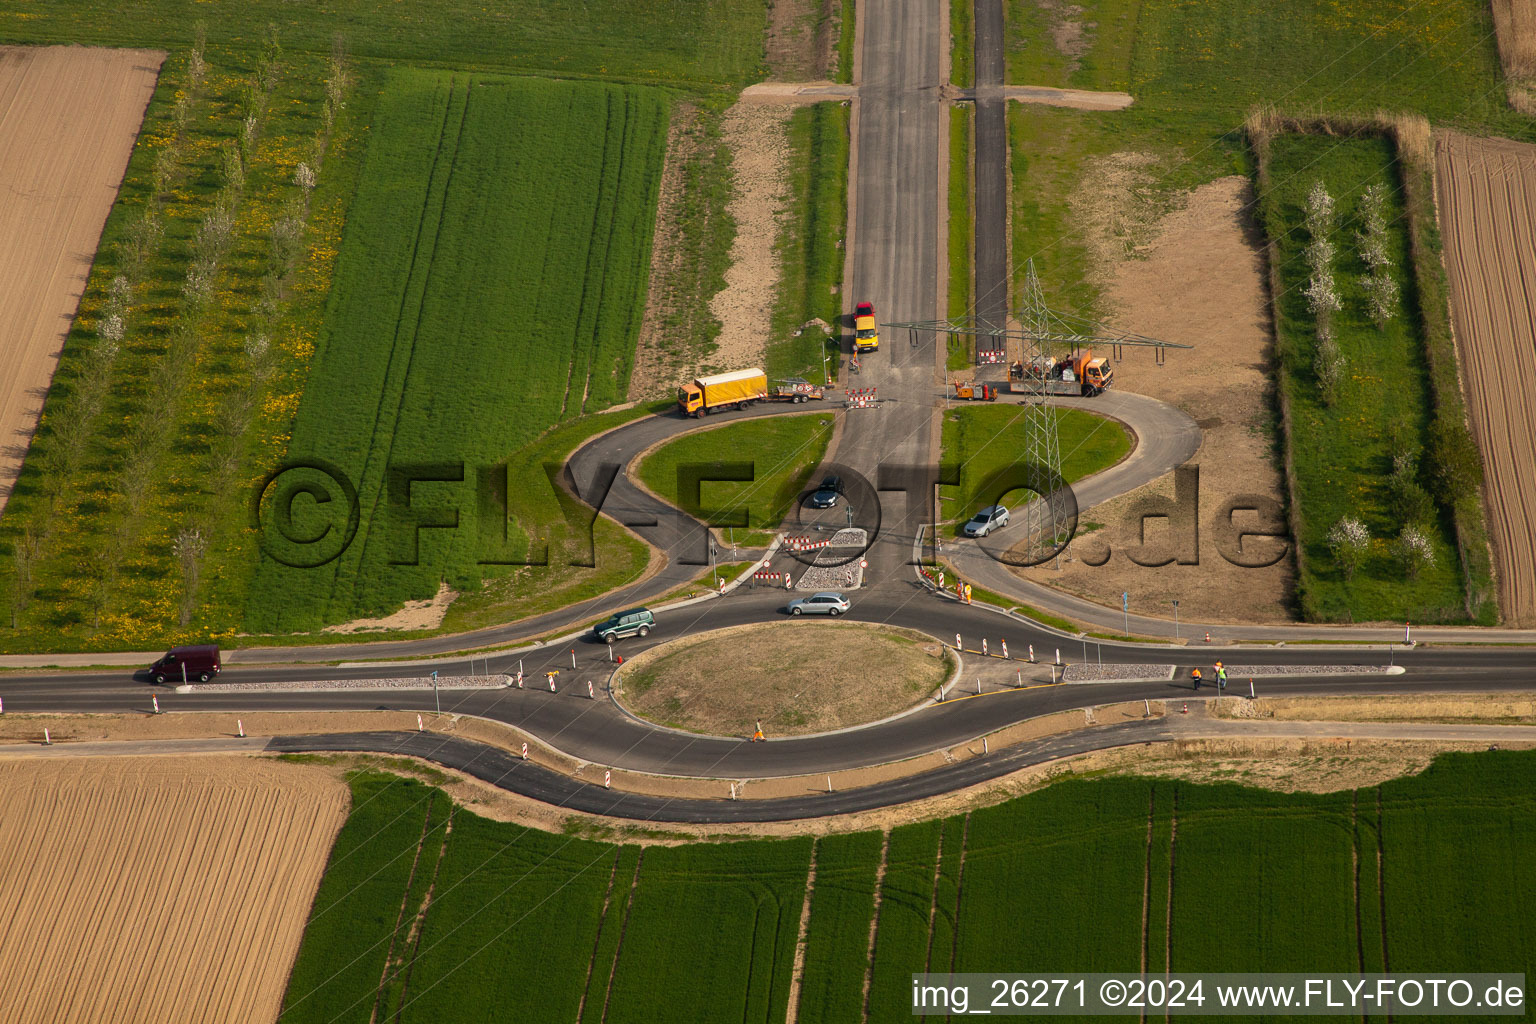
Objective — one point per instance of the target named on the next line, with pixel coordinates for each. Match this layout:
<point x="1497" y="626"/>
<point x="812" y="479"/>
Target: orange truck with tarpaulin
<point x="735" y="390"/>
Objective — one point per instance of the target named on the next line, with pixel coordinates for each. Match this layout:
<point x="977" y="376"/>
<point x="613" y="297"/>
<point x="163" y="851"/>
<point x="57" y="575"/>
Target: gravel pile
<point x="494" y="682"/>
<point x="1117" y="673"/>
<point x="820" y="576"/>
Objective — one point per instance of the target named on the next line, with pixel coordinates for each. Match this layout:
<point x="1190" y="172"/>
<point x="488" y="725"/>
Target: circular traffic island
<point x="794" y="677"/>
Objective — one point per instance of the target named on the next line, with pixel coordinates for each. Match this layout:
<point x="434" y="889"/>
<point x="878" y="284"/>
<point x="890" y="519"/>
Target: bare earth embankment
<point x="1487" y="195"/>
<point x="152" y="889"/>
<point x="68" y="120"/>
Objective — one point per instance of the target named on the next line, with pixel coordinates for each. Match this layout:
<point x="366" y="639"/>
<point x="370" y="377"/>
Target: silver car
<point x="993" y="517"/>
<point x="828" y="602"/>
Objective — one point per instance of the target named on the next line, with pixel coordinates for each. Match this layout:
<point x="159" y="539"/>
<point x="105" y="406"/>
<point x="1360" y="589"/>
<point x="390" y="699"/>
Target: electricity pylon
<point x="1051" y="517"/>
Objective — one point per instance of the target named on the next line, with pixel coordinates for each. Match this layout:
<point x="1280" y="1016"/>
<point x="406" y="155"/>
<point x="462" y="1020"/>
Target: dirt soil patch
<point x="758" y="138"/>
<point x="1288" y="766"/>
<point x="414" y="615"/>
<point x="1484" y="708"/>
<point x="1486" y="190"/>
<point x="794" y="677"/>
<point x="1207" y="254"/>
<point x="69" y="116"/>
<point x="156" y="888"/>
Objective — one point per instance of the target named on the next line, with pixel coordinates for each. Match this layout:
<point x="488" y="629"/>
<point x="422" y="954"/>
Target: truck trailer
<point x="1080" y="374"/>
<point x="734" y="390"/>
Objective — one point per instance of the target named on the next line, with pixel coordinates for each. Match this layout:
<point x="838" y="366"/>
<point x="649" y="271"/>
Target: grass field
<point x="782" y="451"/>
<point x="1085" y="875"/>
<point x="718" y="43"/>
<point x="810" y="243"/>
<point x="1437" y="57"/>
<point x="1342" y="453"/>
<point x="984" y="439"/>
<point x="427" y="383"/>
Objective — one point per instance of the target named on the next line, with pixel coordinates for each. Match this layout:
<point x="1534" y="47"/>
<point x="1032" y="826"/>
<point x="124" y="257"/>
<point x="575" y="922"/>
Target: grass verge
<point x="810" y="244"/>
<point x="759" y="468"/>
<point x="962" y="43"/>
<point x="847" y="38"/>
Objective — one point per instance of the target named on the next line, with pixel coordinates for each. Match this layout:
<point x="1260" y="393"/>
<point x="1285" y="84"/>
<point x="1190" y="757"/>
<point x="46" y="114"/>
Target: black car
<point x="826" y="495"/>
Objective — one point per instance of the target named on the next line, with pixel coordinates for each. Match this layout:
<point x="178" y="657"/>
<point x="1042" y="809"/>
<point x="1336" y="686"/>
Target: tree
<point x="189" y="548"/>
<point x="1349" y="540"/>
<point x="1414" y="550"/>
<point x="24" y="552"/>
<point x="1456" y="466"/>
<point x="304" y="177"/>
<point x="1380" y="296"/>
<point x="1319" y="209"/>
<point x="1328" y="364"/>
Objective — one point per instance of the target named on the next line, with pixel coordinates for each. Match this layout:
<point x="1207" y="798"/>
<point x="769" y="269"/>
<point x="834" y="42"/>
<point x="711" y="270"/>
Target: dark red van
<point x="184" y="664"/>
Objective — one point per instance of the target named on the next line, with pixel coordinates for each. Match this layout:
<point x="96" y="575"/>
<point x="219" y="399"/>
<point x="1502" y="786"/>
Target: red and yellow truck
<point x="866" y="335"/>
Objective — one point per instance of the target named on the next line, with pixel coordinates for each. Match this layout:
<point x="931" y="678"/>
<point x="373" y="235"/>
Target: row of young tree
<point x="1322" y="292"/>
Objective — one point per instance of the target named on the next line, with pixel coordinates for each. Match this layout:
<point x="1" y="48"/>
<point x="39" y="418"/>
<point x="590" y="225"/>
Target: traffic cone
<point x="1207" y="636"/>
<point x="1186" y="708"/>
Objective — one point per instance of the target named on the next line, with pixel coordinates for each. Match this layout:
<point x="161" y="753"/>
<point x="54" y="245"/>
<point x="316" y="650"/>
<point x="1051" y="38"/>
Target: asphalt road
<point x="894" y="262"/>
<point x="596" y="730"/>
<point x="991" y="183"/>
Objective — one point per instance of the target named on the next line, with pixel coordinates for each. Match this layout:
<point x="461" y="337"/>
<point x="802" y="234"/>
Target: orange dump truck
<point x="1079" y="374"/>
<point x="734" y="390"/>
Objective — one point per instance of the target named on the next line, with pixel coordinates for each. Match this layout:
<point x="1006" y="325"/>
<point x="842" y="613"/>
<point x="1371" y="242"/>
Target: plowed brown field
<point x="68" y="120"/>
<point x="1487" y="194"/>
<point x="157" y="889"/>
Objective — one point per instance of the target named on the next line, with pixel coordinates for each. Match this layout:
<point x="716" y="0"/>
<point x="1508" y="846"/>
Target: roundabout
<point x="795" y="678"/>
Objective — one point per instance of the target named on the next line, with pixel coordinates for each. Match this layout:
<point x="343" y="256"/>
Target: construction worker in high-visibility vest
<point x="1221" y="676"/>
<point x="757" y="736"/>
<point x="1195" y="675"/>
<point x="967" y="593"/>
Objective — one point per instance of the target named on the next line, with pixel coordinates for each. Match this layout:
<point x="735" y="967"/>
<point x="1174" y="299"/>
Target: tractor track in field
<point x="1486" y="190"/>
<point x="618" y="949"/>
